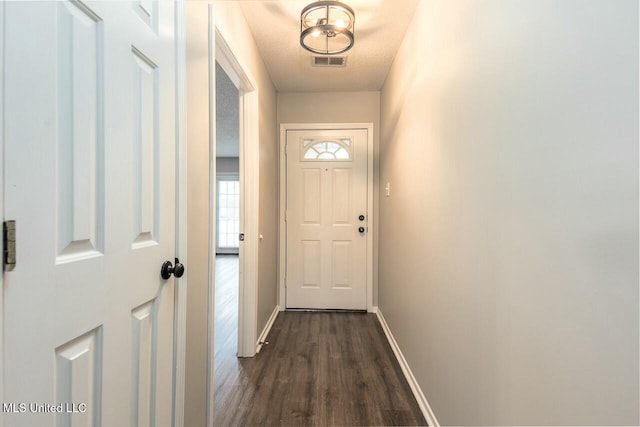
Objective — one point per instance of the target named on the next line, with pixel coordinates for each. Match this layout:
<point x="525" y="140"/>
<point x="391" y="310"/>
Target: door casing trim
<point x="2" y="143"/>
<point x="282" y="232"/>
<point x="180" y="292"/>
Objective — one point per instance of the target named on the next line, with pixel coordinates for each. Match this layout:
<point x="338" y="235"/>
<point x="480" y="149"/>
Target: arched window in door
<point x="328" y="150"/>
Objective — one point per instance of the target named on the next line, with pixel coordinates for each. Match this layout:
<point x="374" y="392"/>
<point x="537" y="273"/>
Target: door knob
<point x="361" y="229"/>
<point x="168" y="269"/>
<point x="361" y="217"/>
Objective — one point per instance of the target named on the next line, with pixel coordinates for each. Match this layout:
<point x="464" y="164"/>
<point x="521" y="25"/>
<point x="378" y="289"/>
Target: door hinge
<point x="286" y="216"/>
<point x="9" y="242"/>
<point x="241" y="237"/>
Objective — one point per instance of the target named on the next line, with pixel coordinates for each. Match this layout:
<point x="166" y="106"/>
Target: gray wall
<point x="509" y="245"/>
<point x="227" y="165"/>
<point x="269" y="206"/>
<point x="227" y="115"/>
<point x="197" y="264"/>
<point x="338" y="107"/>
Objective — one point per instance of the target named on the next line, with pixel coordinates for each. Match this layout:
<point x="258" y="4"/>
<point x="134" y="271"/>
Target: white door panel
<point x="90" y="179"/>
<point x="326" y="194"/>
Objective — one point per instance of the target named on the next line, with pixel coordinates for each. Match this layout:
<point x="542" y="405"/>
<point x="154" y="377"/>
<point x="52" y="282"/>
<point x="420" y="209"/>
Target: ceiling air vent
<point x="329" y="61"/>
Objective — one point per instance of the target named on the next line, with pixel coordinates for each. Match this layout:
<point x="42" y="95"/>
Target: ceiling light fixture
<point x="326" y="27"/>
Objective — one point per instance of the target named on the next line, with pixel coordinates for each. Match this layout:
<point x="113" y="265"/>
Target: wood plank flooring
<point x="225" y="334"/>
<point x="319" y="369"/>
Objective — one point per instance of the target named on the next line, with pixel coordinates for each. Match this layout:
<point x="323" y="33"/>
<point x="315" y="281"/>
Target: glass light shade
<point x="326" y="27"/>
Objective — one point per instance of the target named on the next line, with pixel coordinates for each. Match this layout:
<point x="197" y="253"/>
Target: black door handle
<point x="361" y="229"/>
<point x="168" y="269"/>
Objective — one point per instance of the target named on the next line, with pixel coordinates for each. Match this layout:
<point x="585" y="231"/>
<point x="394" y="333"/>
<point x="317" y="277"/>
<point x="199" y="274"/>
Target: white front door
<point x="326" y="219"/>
<point x="90" y="146"/>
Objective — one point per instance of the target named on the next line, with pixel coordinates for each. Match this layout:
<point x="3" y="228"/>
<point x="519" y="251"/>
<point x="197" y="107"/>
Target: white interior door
<point x="326" y="219"/>
<point x="90" y="180"/>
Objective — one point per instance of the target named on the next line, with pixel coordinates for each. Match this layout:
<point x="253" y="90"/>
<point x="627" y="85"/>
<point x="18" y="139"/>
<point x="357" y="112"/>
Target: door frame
<point x="2" y="144"/>
<point x="180" y="288"/>
<point x="249" y="191"/>
<point x="282" y="239"/>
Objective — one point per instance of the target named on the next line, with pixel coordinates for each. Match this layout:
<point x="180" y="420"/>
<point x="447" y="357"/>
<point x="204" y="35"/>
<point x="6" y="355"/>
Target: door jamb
<point x="282" y="239"/>
<point x="180" y="289"/>
<point x="2" y="144"/>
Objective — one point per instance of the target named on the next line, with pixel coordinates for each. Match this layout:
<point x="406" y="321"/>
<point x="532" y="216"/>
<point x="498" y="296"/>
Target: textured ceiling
<point x="380" y="28"/>
<point x="227" y="116"/>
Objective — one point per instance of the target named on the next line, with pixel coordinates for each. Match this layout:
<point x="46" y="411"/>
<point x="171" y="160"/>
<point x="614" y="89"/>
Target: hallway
<point x="437" y="203"/>
<point x="318" y="369"/>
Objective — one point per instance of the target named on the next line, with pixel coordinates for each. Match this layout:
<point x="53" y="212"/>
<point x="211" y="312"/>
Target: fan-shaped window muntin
<point x="327" y="150"/>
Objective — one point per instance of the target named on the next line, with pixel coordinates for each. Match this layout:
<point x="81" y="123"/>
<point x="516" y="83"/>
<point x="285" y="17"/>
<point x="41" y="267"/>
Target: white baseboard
<point x="267" y="328"/>
<point x="406" y="370"/>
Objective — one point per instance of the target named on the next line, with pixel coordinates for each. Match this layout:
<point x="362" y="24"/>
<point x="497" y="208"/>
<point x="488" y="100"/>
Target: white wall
<point x="345" y="107"/>
<point x="509" y="246"/>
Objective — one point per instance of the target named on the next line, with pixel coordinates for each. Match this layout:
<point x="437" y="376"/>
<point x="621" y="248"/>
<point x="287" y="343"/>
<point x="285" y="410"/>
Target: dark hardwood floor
<point x="226" y="311"/>
<point x="319" y="369"/>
